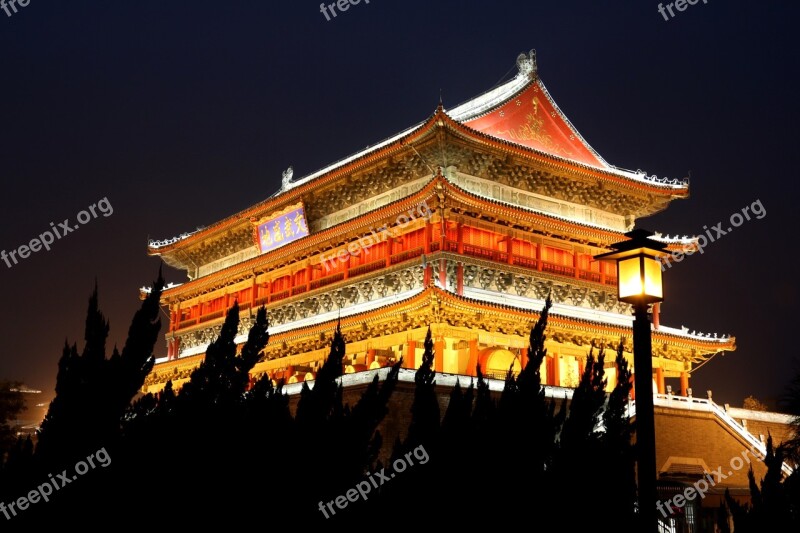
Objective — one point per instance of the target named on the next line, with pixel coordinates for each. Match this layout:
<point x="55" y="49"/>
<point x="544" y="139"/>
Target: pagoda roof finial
<point x="526" y="64"/>
<point x="286" y="179"/>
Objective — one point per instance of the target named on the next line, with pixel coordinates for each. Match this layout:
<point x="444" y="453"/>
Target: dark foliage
<point x="222" y="449"/>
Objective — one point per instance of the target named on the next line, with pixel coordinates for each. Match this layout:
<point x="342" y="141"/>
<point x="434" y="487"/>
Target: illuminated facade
<point x="464" y="223"/>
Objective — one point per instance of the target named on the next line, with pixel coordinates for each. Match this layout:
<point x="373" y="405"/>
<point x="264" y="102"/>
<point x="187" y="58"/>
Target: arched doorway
<point x="496" y="361"/>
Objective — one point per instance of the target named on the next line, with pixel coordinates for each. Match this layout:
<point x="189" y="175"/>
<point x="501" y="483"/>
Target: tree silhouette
<point x="92" y="392"/>
<point x="771" y="507"/>
<point x="11" y="405"/>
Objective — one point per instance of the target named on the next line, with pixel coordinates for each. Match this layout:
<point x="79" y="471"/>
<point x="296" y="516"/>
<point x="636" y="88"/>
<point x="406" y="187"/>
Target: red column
<point x="427" y="236"/>
<point x="460" y="238"/>
<point x="684" y="384"/>
<point x="309" y="271"/>
<point x="370" y="357"/>
<point x="539" y="257"/>
<point x="523" y="357"/>
<point x="575" y="264"/>
<point x="556" y="370"/>
<point x="460" y="279"/>
<point x="427" y="275"/>
<point x="660" y="380"/>
<point x="411" y="352"/>
<point x="633" y="388"/>
<point x="438" y="348"/>
<point x="443" y="273"/>
<point x="510" y="249"/>
<point x="389" y="243"/>
<point x="656" y="314"/>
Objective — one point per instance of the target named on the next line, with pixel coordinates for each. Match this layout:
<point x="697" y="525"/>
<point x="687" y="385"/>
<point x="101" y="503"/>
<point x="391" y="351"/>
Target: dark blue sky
<point x="181" y="113"/>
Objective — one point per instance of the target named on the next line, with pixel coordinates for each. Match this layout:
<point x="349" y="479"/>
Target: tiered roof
<point x="518" y="117"/>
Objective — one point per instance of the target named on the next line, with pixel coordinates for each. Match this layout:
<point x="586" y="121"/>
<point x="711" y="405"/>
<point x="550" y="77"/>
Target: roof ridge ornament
<point x="526" y="64"/>
<point x="286" y="180"/>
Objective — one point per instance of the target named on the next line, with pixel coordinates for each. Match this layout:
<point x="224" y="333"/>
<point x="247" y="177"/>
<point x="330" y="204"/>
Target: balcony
<point x="486" y="254"/>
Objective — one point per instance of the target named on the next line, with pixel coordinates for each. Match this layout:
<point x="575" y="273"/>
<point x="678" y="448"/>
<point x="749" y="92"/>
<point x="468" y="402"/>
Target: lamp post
<point x="639" y="284"/>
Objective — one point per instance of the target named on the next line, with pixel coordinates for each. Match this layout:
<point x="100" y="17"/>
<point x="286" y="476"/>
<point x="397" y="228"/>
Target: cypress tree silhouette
<point x="220" y="381"/>
<point x="423" y="433"/>
<point x="361" y="431"/>
<point x="424" y="426"/>
<point x="316" y="405"/>
<point x="618" y="470"/>
<point x="771" y="507"/>
<point x="209" y="441"/>
<point x="525" y="421"/>
<point x="92" y="392"/>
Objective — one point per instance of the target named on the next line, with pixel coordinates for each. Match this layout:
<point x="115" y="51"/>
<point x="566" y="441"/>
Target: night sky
<point x="182" y="113"/>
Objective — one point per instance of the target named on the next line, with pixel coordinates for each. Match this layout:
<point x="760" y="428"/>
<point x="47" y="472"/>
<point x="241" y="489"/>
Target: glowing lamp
<point x="638" y="267"/>
<point x="639" y="284"/>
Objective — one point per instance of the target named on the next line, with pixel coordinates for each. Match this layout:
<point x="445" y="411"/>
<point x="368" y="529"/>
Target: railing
<point x="527" y="262"/>
<point x="560" y="270"/>
<point x="317" y="283"/>
<point x="408" y="255"/>
<point x="590" y="276"/>
<point x="533" y="264"/>
<point x="485" y="253"/>
<point x="701" y="404"/>
<point x="212" y="316"/>
<point x="300" y="289"/>
<point x="369" y="267"/>
<point x="402" y="257"/>
<point x="279" y="296"/>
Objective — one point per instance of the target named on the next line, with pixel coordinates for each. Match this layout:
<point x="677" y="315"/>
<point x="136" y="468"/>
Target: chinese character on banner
<point x="300" y="222"/>
<point x="281" y="227"/>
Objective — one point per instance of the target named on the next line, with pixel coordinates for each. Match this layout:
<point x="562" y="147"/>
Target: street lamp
<point x="639" y="284"/>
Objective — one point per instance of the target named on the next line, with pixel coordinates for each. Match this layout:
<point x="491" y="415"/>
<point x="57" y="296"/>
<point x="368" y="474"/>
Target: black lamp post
<point x="639" y="283"/>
